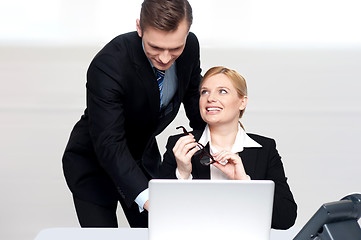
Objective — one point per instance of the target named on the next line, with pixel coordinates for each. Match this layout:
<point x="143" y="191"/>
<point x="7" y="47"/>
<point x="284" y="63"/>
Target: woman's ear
<point x="244" y="102"/>
<point x="139" y="29"/>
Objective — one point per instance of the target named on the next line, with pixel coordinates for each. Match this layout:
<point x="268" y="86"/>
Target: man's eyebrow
<point x="156" y="47"/>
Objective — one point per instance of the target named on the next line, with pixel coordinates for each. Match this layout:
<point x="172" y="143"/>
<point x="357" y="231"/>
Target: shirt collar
<point x="242" y="140"/>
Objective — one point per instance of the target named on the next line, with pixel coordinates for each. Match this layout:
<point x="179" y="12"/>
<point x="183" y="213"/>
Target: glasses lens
<point x="204" y="159"/>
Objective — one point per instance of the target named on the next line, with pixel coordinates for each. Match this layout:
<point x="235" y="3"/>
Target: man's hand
<point x="146" y="205"/>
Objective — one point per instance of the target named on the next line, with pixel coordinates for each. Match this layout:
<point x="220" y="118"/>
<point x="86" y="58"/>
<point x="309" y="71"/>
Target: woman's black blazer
<point x="260" y="164"/>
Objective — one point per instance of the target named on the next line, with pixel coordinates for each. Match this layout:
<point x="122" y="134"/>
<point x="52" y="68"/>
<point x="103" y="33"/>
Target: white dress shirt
<point x="242" y="141"/>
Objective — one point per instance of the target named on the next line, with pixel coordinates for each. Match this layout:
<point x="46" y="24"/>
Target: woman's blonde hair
<point x="237" y="80"/>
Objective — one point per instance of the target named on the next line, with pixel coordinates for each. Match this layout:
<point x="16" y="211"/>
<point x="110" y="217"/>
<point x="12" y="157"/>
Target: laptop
<point x="210" y="209"/>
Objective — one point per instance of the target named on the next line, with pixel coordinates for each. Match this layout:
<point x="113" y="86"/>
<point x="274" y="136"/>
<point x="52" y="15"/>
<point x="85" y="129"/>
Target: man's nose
<point x="165" y="57"/>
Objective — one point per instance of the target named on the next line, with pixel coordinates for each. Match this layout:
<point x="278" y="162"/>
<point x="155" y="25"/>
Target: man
<point x="112" y="152"/>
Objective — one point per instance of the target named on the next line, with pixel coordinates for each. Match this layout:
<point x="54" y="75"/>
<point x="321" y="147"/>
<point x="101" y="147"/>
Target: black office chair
<point x="334" y="221"/>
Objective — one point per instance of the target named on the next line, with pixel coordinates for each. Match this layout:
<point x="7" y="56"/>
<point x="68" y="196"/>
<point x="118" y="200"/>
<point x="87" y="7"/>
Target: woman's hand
<point x="231" y="165"/>
<point x="183" y="151"/>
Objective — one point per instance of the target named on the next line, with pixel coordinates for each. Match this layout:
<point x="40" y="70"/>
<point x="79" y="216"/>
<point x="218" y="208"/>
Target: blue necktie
<point x="160" y="78"/>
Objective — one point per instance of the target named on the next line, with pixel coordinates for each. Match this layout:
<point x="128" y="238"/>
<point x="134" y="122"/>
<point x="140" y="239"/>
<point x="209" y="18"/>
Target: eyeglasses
<point x="204" y="157"/>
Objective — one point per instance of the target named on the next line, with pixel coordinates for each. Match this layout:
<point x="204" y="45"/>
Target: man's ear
<point x="139" y="29"/>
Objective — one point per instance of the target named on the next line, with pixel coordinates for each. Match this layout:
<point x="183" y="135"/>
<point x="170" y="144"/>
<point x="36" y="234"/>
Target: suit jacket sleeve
<point x="191" y="96"/>
<point x="106" y="125"/>
<point x="169" y="164"/>
<point x="284" y="206"/>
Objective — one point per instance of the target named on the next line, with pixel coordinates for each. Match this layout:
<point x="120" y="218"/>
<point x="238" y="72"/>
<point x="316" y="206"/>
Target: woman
<point x="227" y="152"/>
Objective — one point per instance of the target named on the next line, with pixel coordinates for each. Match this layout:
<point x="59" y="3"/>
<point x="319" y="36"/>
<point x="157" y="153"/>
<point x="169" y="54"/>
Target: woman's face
<point x="219" y="102"/>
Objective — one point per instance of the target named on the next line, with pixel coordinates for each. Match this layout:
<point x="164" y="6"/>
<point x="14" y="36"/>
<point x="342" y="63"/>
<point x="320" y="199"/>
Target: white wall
<point x="231" y="22"/>
<point x="301" y="61"/>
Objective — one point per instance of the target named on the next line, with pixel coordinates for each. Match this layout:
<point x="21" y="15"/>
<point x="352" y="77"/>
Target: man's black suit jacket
<point x="112" y="148"/>
<point x="260" y="164"/>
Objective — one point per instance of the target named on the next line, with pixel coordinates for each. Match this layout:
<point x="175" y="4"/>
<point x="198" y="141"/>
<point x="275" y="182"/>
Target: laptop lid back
<point x="210" y="209"/>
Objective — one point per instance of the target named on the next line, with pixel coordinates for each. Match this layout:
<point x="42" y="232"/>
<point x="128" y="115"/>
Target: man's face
<point x="163" y="48"/>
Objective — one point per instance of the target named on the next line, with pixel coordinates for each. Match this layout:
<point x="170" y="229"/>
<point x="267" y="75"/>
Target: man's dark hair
<point x="165" y="15"/>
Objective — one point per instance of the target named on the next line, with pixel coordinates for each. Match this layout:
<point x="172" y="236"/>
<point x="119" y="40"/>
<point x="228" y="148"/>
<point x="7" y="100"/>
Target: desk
<point x="125" y="234"/>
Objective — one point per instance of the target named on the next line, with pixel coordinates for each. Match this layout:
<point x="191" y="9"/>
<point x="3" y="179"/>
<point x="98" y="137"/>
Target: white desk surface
<point x="125" y="234"/>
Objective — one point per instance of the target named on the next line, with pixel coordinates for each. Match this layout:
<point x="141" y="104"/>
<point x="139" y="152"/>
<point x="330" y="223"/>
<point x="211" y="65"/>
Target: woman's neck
<point x="223" y="137"/>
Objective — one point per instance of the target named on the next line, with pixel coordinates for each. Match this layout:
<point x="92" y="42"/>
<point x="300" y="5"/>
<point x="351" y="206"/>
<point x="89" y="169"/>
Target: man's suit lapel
<point x="180" y="75"/>
<point x="148" y="80"/>
<point x="146" y="75"/>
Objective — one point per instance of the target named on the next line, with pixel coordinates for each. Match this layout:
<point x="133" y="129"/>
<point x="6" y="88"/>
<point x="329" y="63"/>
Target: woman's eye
<point x="223" y="91"/>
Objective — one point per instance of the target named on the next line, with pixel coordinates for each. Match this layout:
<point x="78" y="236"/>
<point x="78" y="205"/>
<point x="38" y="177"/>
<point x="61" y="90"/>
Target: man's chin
<point x="162" y="66"/>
